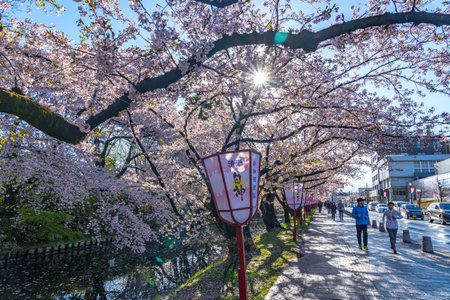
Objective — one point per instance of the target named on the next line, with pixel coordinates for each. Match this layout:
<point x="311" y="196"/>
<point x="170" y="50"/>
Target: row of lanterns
<point x="297" y="198"/>
<point x="233" y="179"/>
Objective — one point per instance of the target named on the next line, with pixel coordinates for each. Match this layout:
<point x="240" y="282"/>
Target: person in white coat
<point x="391" y="216"/>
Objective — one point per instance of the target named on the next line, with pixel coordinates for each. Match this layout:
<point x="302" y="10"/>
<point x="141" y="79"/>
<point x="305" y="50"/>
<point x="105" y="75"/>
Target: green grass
<point x="424" y="203"/>
<point x="275" y="249"/>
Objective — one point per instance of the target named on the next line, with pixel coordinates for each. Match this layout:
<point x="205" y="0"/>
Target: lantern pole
<point x="309" y="205"/>
<point x="301" y="215"/>
<point x="241" y="272"/>
<point x="295" y="224"/>
<point x="304" y="215"/>
<point x="301" y="209"/>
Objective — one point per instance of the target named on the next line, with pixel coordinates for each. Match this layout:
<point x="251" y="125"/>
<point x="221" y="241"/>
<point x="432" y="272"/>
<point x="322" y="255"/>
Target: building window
<point x="417" y="166"/>
<point x="424" y="166"/>
<point x="399" y="193"/>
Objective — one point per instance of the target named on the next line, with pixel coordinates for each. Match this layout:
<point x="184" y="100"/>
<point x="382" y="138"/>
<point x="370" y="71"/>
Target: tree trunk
<point x="286" y="210"/>
<point x="268" y="212"/>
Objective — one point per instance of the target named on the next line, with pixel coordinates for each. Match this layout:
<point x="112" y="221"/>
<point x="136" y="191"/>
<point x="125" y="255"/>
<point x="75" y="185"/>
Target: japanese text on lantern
<point x="237" y="163"/>
<point x="238" y="183"/>
<point x="255" y="165"/>
<point x="298" y="188"/>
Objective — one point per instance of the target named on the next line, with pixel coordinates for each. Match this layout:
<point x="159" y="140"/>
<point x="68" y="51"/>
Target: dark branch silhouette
<point x="54" y="125"/>
<point x="219" y="3"/>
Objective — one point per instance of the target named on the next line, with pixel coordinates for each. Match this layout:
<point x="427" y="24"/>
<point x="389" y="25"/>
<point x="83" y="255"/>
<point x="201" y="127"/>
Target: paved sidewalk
<point x="333" y="267"/>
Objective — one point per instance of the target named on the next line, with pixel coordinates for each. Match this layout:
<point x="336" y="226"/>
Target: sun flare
<point x="259" y="78"/>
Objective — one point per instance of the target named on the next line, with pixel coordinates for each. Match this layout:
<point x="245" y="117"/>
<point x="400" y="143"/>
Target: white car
<point x="381" y="207"/>
<point x="372" y="205"/>
<point x="398" y="204"/>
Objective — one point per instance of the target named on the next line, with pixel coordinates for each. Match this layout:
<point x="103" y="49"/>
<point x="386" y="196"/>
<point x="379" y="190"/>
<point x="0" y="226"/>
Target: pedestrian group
<point x="362" y="220"/>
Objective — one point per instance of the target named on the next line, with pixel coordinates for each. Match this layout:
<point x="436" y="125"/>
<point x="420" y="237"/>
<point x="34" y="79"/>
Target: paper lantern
<point x="294" y="195"/>
<point x="234" y="179"/>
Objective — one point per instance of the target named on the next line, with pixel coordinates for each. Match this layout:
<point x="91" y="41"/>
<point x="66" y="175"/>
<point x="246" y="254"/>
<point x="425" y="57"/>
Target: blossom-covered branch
<point x="54" y="125"/>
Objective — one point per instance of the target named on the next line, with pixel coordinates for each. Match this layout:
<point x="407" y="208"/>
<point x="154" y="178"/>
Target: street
<point x="332" y="267"/>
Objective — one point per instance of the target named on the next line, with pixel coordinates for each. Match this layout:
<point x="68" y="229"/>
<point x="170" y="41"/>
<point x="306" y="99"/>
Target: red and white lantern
<point x="293" y="193"/>
<point x="233" y="179"/>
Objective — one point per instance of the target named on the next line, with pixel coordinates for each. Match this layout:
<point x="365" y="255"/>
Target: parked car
<point x="372" y="206"/>
<point x="398" y="204"/>
<point x="381" y="207"/>
<point x="439" y="211"/>
<point x="411" y="211"/>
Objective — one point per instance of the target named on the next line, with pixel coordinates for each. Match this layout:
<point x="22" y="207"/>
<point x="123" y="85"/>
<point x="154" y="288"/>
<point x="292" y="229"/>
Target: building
<point x="335" y="197"/>
<point x="363" y="190"/>
<point x="443" y="167"/>
<point x="391" y="174"/>
<point x="436" y="187"/>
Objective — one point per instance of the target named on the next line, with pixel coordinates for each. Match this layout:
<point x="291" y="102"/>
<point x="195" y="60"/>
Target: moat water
<point x="103" y="273"/>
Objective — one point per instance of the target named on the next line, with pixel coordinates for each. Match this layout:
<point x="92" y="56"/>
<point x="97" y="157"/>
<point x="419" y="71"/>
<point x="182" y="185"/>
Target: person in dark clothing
<point x="328" y="207"/>
<point x="333" y="210"/>
<point x="340" y="208"/>
<point x="320" y="204"/>
<point x="361" y="216"/>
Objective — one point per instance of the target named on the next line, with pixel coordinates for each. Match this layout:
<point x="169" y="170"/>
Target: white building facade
<point x="434" y="188"/>
<point x="392" y="174"/>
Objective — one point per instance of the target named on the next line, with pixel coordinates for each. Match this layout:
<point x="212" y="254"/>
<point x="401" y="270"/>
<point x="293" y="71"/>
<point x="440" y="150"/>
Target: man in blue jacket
<point x="361" y="215"/>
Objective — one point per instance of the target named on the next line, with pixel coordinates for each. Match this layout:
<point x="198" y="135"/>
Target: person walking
<point x="391" y="216"/>
<point x="333" y="211"/>
<point x="328" y="207"/>
<point x="340" y="208"/>
<point x="361" y="216"/>
<point x="320" y="204"/>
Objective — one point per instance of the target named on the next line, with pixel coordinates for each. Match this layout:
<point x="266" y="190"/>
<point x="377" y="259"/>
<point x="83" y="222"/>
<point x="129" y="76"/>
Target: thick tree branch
<point x="39" y="117"/>
<point x="58" y="127"/>
<point x="219" y="3"/>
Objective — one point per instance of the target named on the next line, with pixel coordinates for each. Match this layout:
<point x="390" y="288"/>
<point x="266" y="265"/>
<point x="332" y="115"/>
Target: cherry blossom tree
<point x="99" y="58"/>
<point x="133" y="105"/>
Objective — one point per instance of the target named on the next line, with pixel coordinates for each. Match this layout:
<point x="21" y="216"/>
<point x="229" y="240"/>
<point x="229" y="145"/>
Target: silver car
<point x="439" y="211"/>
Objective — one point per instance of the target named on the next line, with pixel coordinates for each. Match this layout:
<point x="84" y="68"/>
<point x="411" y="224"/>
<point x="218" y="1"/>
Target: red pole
<point x="241" y="272"/>
<point x="301" y="216"/>
<point x="295" y="225"/>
